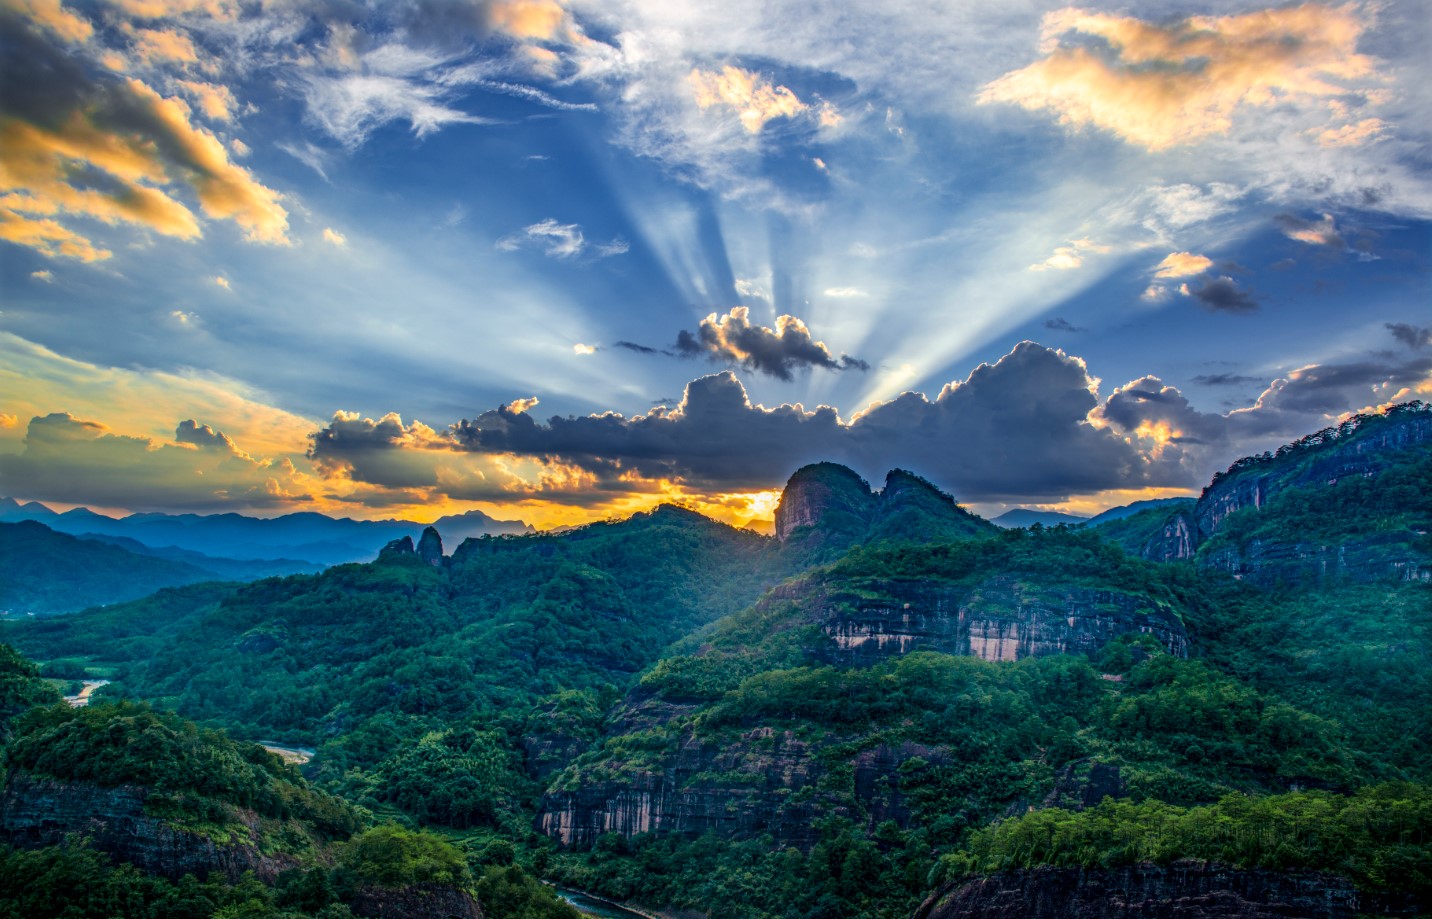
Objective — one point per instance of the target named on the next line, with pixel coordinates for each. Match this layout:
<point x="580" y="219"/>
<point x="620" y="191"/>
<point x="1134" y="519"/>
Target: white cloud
<point x="559" y="240"/>
<point x="334" y="237"/>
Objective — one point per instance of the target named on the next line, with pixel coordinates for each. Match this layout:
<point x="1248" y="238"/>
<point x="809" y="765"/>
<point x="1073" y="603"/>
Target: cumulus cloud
<point x="1182" y="265"/>
<point x="1160" y="85"/>
<point x="1221" y="294"/>
<point x="216" y="102"/>
<point x="1067" y="258"/>
<point x="1322" y="232"/>
<point x="80" y="144"/>
<point x="73" y="460"/>
<point x="775" y="352"/>
<point x="335" y="238"/>
<point x="1031" y="426"/>
<point x="580" y="349"/>
<point x="560" y="241"/>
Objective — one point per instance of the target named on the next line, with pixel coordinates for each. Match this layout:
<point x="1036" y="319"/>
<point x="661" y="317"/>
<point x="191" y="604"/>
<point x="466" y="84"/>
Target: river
<point x="604" y="909"/>
<point x="82" y="699"/>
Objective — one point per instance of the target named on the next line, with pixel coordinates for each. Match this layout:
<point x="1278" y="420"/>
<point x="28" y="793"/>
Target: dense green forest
<point x="455" y="707"/>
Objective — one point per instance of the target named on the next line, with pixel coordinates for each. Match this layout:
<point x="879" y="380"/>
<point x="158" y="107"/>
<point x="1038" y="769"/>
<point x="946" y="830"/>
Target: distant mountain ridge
<point x="305" y="537"/>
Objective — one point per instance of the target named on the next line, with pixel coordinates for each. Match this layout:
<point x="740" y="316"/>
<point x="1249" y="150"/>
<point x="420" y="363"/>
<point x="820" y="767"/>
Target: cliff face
<point x="1187" y="890"/>
<point x="828" y="505"/>
<point x="1175" y="541"/>
<point x="1004" y="618"/>
<point x="36" y="811"/>
<point x="765" y="781"/>
<point x="416" y="901"/>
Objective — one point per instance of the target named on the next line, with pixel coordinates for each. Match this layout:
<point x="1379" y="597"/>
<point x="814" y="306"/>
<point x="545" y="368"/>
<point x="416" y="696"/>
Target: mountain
<point x="891" y="702"/>
<point x="224" y="569"/>
<point x="1137" y="507"/>
<point x="48" y="572"/>
<point x="305" y="537"/>
<point x="1025" y="517"/>
<point x="1347" y="504"/>
<point x="826" y="508"/>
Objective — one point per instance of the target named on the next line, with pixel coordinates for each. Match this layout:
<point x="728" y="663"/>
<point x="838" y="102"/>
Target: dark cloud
<point x="1321" y="232"/>
<point x="201" y="435"/>
<point x="1059" y="324"/>
<point x="82" y="462"/>
<point x="381" y="452"/>
<point x="1225" y="379"/>
<point x="1222" y="294"/>
<point x="639" y="349"/>
<point x="1016" y="428"/>
<point x="1412" y="336"/>
<point x="777" y="352"/>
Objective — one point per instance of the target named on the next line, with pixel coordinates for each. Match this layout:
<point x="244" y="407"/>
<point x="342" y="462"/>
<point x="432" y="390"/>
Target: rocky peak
<point x="824" y="497"/>
<point x="398" y="548"/>
<point x="430" y="547"/>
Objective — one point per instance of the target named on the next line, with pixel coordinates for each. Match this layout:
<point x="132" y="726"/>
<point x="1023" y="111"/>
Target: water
<point x="594" y="907"/>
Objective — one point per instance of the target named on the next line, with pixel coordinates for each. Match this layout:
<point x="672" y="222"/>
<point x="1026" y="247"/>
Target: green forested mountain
<point x="890" y="696"/>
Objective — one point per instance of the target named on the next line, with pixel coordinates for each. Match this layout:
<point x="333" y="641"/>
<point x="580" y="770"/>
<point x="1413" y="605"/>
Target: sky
<point x="560" y="260"/>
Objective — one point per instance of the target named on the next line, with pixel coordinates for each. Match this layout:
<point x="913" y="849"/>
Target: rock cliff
<point x="1186" y="889"/>
<point x="827" y="506"/>
<point x="38" y="811"/>
<point x="430" y="547"/>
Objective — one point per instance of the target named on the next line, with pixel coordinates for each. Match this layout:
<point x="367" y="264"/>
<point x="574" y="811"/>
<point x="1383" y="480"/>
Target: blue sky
<point x="560" y="260"/>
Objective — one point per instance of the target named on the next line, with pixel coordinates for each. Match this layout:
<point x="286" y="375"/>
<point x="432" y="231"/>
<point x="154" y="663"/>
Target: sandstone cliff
<point x="1186" y="889"/>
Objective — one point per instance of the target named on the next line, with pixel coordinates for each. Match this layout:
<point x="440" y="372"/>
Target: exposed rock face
<point x="398" y="548"/>
<point x="36" y="811"/>
<point x="746" y="788"/>
<point x="416" y="901"/>
<point x="824" y="496"/>
<point x="828" y="505"/>
<point x="1378" y="557"/>
<point x="1187" y="890"/>
<point x="1176" y="541"/>
<point x="430" y="547"/>
<point x="1002" y="619"/>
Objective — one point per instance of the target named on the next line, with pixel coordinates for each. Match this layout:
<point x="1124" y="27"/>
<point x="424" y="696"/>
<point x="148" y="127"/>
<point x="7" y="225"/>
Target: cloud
<point x="43" y="274"/>
<point x="1412" y="336"/>
<point x="1182" y="265"/>
<point x="8" y="421"/>
<point x="157" y="46"/>
<point x="80" y="144"/>
<point x="1224" y="379"/>
<point x="775" y="352"/>
<point x="333" y="237"/>
<point x="222" y="282"/>
<point x="1058" y="324"/>
<point x="1315" y="233"/>
<point x="1221" y="295"/>
<point x="559" y="240"/>
<point x="754" y="100"/>
<point x="216" y="102"/>
<point x="52" y="16"/>
<point x="1353" y="135"/>
<point x="1159" y="86"/>
<point x="1067" y="258"/>
<point x="72" y="460"/>
<point x="639" y="349"/>
<point x="844" y="293"/>
<point x="580" y="349"/>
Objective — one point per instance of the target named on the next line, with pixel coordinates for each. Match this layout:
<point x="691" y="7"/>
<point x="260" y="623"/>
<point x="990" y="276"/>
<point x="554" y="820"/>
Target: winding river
<point x="595" y="906"/>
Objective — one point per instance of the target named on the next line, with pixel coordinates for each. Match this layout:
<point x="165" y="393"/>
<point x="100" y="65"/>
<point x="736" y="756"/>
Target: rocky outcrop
<point x="1176" y="540"/>
<point x="1002" y="619"/>
<point x="824" y="498"/>
<point x="826" y="505"/>
<point x="37" y="811"/>
<point x="415" y="901"/>
<point x="430" y="547"/>
<point x="1186" y="890"/>
<point x="762" y="783"/>
<point x="398" y="548"/>
<point x="1377" y="557"/>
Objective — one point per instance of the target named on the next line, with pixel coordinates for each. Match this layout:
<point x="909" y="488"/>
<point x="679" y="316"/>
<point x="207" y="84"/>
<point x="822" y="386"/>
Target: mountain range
<point x="1214" y="706"/>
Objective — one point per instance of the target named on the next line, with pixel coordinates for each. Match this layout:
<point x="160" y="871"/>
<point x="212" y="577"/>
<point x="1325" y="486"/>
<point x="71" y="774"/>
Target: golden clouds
<point x="53" y="17"/>
<point x="155" y="46"/>
<point x="1182" y="265"/>
<point x="532" y="19"/>
<point x="81" y="143"/>
<point x="216" y="102"/>
<point x="1161" y="86"/>
<point x="754" y="99"/>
